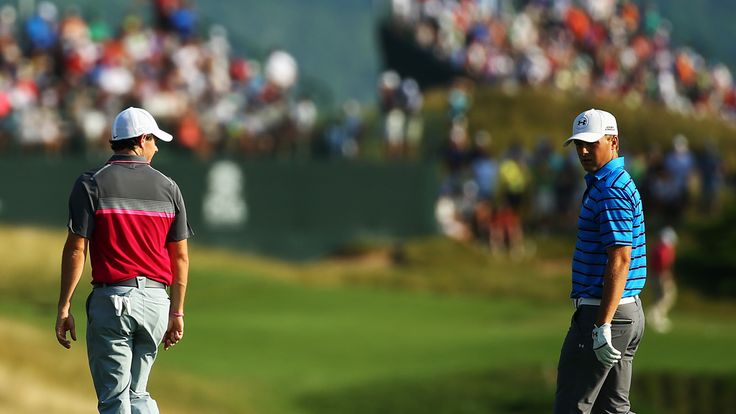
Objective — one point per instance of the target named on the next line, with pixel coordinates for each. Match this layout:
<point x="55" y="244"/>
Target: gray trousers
<point x="125" y="326"/>
<point x="584" y="385"/>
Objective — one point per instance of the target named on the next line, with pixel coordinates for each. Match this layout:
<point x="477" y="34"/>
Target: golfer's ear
<point x="614" y="142"/>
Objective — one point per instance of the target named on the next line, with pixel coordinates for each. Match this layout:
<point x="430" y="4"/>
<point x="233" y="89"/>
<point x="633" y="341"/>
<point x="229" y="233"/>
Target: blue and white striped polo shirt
<point x="611" y="215"/>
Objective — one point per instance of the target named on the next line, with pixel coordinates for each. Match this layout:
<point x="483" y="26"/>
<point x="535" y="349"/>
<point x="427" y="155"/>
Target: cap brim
<point x="585" y="136"/>
<point x="163" y="136"/>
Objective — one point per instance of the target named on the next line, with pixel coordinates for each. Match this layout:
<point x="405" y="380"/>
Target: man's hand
<point x="604" y="350"/>
<point x="64" y="323"/>
<point x="174" y="332"/>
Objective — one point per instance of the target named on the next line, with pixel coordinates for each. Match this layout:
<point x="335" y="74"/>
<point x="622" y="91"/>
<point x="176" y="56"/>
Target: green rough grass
<point x="450" y="331"/>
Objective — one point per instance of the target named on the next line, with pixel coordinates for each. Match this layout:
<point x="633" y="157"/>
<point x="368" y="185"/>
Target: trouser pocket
<point x="622" y="321"/>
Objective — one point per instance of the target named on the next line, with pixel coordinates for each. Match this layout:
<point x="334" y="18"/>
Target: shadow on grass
<point x="524" y="391"/>
<point x="683" y="393"/>
<point x="518" y="392"/>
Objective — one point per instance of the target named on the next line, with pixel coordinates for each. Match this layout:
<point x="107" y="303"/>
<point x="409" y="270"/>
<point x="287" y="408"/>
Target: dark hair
<point x="124" y="144"/>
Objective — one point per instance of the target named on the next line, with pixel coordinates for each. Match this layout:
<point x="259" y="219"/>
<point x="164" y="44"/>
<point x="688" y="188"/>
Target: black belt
<point x="150" y="283"/>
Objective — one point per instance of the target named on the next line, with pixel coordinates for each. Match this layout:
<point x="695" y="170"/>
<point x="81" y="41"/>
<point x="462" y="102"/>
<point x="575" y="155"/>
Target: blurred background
<point x="384" y="213"/>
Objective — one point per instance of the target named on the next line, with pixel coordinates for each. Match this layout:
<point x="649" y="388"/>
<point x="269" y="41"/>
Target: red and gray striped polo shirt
<point x="129" y="211"/>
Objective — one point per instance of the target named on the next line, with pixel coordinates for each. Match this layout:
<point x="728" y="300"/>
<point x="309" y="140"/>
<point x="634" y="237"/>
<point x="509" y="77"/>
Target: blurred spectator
<point x="459" y="99"/>
<point x="456" y="155"/>
<point x="545" y="165"/>
<point x="460" y="191"/>
<point x="393" y="116"/>
<point x="343" y="137"/>
<point x="711" y="177"/>
<point x="506" y="227"/>
<point x="412" y="100"/>
<point x="189" y="132"/>
<point x="163" y="9"/>
<point x="679" y="165"/>
<point x="662" y="260"/>
<point x="183" y="20"/>
<point x="40" y="28"/>
<point x="400" y="102"/>
<point x="305" y="117"/>
<point x="484" y="166"/>
<point x="451" y="222"/>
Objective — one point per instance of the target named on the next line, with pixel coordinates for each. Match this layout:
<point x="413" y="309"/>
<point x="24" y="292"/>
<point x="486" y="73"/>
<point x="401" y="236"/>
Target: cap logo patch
<point x="582" y="122"/>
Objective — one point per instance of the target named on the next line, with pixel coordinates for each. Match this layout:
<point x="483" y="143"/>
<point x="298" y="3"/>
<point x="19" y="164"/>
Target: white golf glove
<point x="604" y="350"/>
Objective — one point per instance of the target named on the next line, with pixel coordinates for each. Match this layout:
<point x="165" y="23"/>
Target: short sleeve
<point x="180" y="228"/>
<point x="616" y="218"/>
<point x="82" y="207"/>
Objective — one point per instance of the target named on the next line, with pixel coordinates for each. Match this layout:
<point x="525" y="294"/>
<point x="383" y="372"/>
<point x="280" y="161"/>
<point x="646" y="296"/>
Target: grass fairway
<point x="451" y="331"/>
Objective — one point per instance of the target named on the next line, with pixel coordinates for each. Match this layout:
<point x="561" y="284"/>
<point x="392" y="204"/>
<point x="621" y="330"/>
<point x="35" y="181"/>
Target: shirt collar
<point x="610" y="166"/>
<point x="127" y="158"/>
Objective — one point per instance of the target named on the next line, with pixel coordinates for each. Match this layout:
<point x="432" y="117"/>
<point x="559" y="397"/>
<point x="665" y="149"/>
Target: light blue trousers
<point x="125" y="326"/>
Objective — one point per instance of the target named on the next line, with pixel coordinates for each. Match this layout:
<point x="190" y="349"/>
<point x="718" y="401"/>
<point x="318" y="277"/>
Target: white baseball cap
<point x="592" y="125"/>
<point x="668" y="235"/>
<point x="134" y="122"/>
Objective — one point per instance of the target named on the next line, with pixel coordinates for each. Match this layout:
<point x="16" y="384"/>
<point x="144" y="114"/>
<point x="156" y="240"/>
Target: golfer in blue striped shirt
<point x="608" y="272"/>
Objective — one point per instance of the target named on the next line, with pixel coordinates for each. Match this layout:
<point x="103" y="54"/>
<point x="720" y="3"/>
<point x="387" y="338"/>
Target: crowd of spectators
<point x="605" y="47"/>
<point x="492" y="194"/>
<point x="63" y="77"/>
<point x="399" y="133"/>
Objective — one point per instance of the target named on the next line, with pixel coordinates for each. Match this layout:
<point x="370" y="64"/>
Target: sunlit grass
<point x="265" y="336"/>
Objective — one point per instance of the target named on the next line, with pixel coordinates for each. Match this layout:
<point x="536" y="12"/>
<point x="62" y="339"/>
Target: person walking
<point x="133" y="221"/>
<point x="665" y="289"/>
<point x="608" y="273"/>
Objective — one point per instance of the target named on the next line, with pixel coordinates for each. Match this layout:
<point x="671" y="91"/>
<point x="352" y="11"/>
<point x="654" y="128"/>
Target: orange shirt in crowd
<point x="578" y="23"/>
<point x="630" y="15"/>
<point x="685" y="70"/>
<point x="190" y="134"/>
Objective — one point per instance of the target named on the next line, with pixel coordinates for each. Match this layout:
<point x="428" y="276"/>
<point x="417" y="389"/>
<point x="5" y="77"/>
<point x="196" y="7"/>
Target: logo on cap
<point x="582" y="121"/>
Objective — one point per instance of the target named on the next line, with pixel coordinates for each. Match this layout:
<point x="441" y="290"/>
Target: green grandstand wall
<point x="291" y="210"/>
